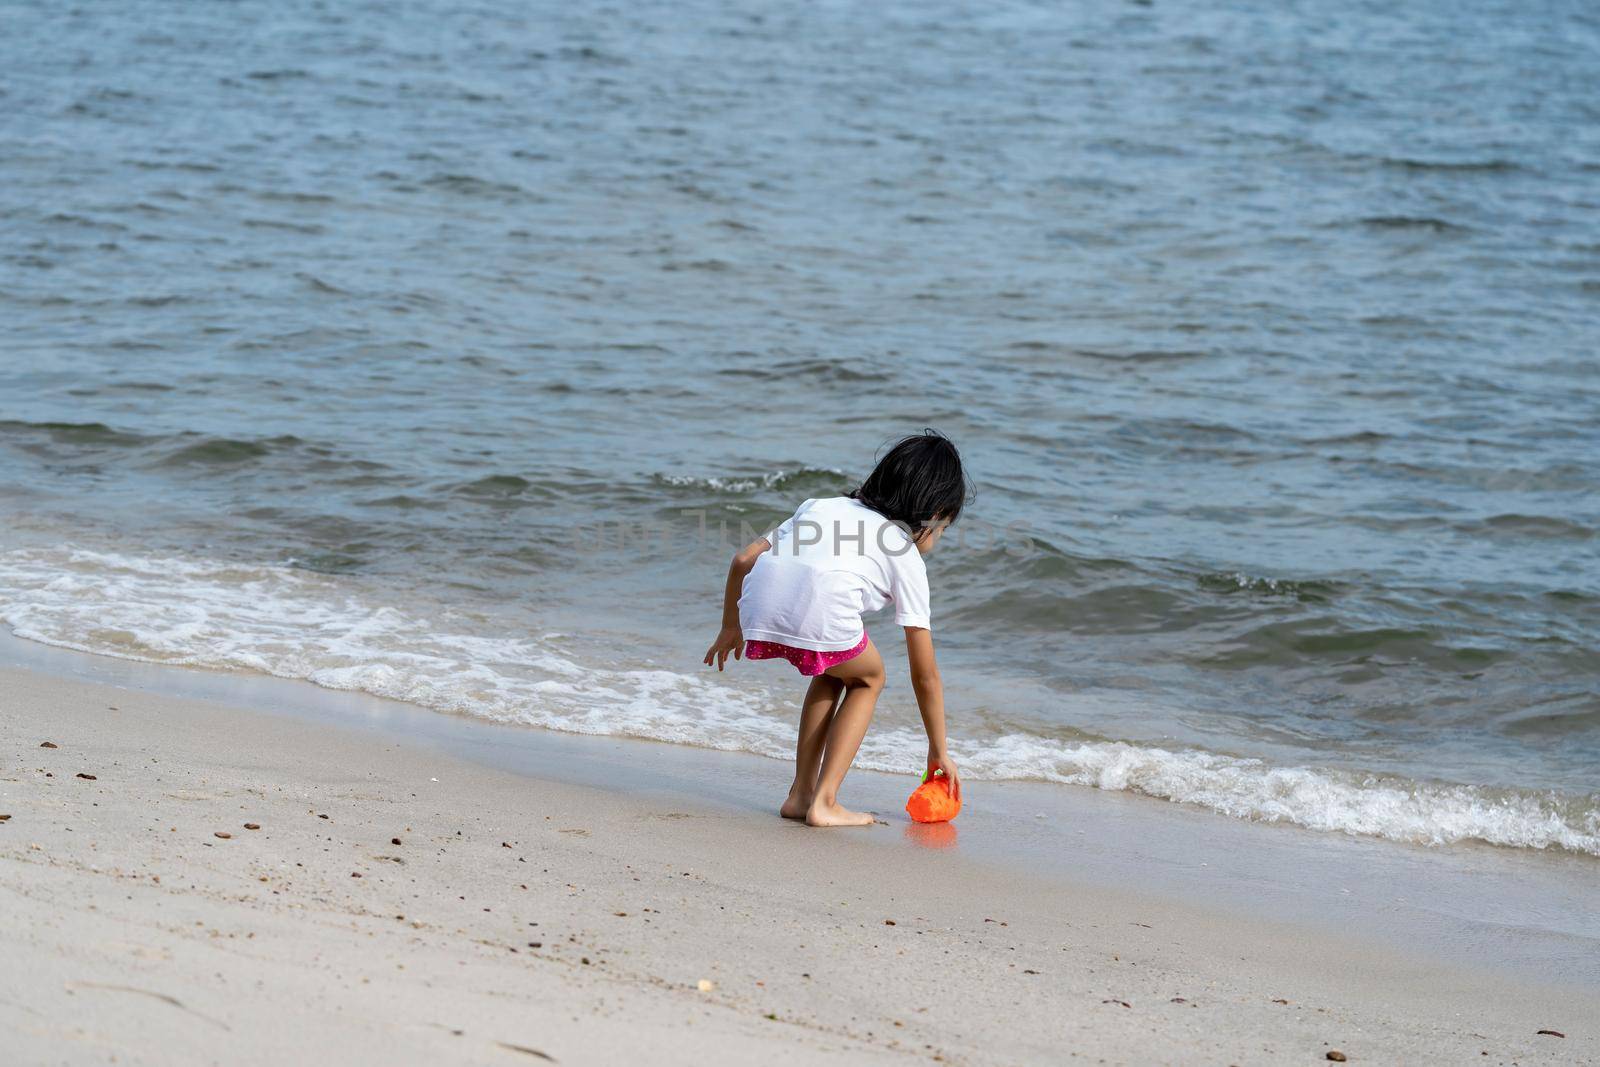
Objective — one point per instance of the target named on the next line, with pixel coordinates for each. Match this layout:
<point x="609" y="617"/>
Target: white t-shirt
<point x="832" y="561"/>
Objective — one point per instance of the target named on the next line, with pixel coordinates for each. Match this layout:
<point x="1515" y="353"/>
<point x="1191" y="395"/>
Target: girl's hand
<point x="948" y="766"/>
<point x="730" y="639"/>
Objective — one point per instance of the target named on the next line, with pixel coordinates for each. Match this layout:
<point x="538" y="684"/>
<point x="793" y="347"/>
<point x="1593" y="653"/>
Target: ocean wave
<point x="1464" y="166"/>
<point x="1306" y="589"/>
<point x="471" y="185"/>
<point x="339" y="633"/>
<point x="84" y="434"/>
<point x="1413" y="222"/>
<point x="496" y="486"/>
<point x="219" y="451"/>
<point x="1057" y="350"/>
<point x="1518" y="525"/>
<point x="772" y="367"/>
<point x="1398" y="809"/>
<point x="825" y="477"/>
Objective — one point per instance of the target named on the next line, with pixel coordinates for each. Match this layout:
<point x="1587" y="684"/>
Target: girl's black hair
<point x="919" y="480"/>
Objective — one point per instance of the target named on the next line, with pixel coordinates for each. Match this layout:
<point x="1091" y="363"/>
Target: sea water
<point x="444" y="353"/>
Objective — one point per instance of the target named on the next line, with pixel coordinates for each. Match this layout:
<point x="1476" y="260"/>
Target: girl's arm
<point x="930" y="700"/>
<point x="731" y="638"/>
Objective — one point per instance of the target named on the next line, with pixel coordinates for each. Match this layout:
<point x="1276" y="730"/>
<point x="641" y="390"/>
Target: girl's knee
<point x="872" y="679"/>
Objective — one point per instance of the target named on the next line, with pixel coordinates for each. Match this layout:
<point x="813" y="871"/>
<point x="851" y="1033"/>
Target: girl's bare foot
<point x="795" y="807"/>
<point x="820" y="814"/>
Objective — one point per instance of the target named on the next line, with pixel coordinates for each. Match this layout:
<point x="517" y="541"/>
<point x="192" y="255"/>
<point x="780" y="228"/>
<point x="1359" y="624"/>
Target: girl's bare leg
<point x="815" y="716"/>
<point x="863" y="681"/>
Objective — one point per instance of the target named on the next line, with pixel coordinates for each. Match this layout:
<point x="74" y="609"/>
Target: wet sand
<point x="240" y="886"/>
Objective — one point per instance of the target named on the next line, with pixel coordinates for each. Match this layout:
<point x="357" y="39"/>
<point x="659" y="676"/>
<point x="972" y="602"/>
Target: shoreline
<point x="791" y="926"/>
<point x="561" y="675"/>
<point x="1532" y="911"/>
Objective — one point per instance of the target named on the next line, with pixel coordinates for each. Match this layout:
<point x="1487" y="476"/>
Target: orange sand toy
<point x="932" y="802"/>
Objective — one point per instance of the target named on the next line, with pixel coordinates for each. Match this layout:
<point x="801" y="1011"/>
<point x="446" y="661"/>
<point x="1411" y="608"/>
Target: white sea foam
<point x="341" y="634"/>
<point x="745" y="485"/>
<point x="1435" y="813"/>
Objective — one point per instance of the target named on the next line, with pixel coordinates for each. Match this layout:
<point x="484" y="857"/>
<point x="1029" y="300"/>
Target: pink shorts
<point x="808" y="662"/>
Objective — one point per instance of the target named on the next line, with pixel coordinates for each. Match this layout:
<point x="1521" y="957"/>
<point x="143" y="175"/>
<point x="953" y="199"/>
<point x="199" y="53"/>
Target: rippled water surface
<point x="408" y="349"/>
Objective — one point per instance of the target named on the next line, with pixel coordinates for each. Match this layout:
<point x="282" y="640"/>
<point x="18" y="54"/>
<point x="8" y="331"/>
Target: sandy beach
<point x="190" y="882"/>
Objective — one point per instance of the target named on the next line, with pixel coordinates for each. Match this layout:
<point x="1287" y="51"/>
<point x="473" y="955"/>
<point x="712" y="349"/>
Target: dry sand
<point x="519" y="920"/>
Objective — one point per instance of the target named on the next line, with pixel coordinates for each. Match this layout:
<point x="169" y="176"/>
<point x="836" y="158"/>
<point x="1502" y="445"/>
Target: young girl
<point x="799" y="592"/>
